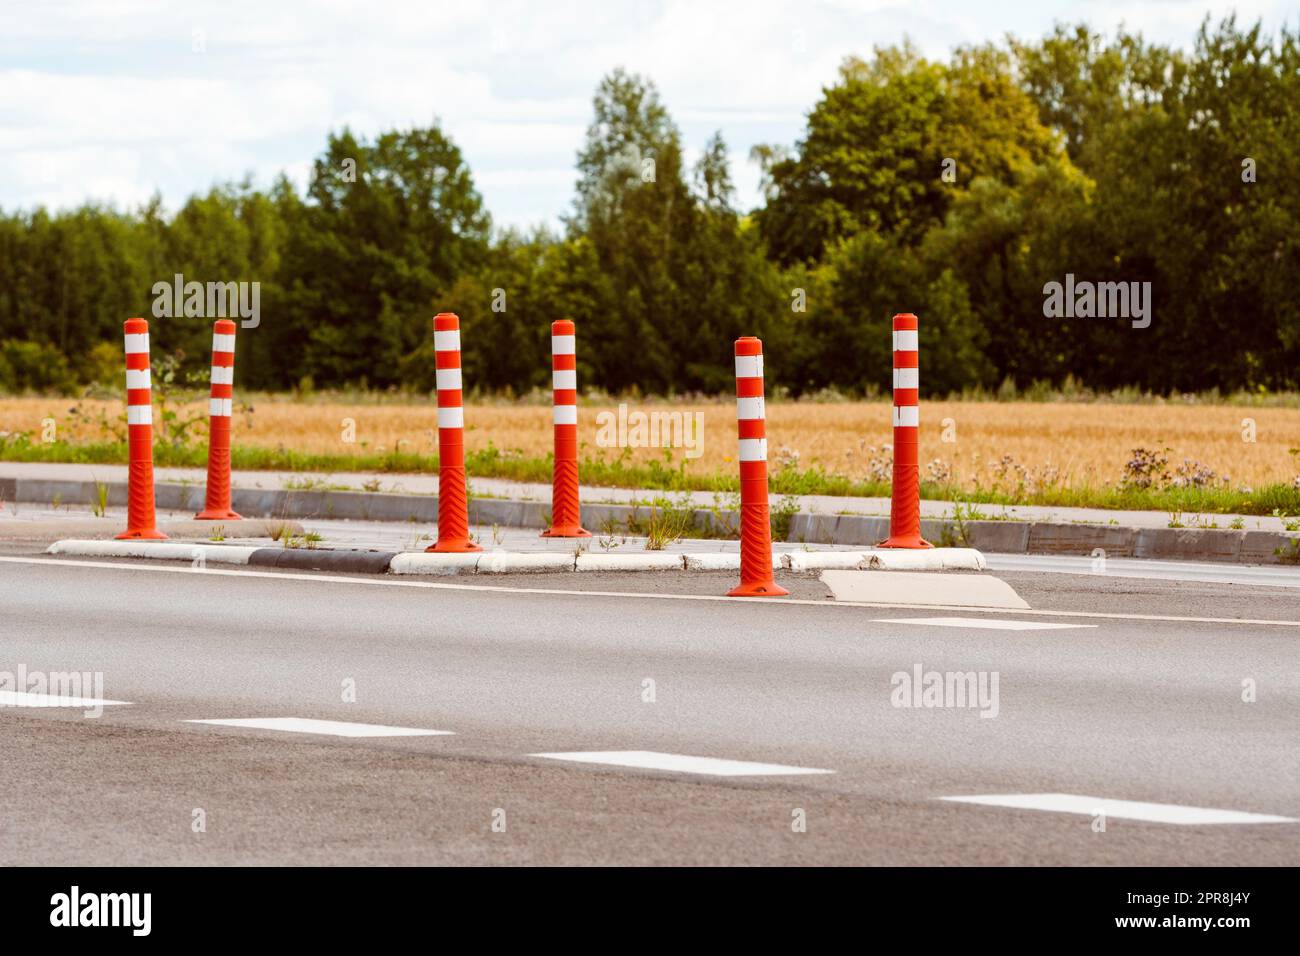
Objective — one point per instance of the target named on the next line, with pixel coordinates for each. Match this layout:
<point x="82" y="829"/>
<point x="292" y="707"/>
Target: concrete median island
<point x="854" y="530"/>
<point x="355" y="560"/>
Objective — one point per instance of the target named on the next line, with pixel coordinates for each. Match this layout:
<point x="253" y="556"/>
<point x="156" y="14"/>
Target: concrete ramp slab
<point x="919" y="587"/>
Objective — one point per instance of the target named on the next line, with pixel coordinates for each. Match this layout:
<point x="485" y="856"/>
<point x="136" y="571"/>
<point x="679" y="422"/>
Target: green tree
<point x="1165" y="136"/>
<point x="844" y="339"/>
<point x="673" y="274"/>
<point x="878" y="143"/>
<point x="386" y="226"/>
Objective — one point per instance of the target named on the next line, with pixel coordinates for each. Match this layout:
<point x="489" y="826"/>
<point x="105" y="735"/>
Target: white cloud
<point x="109" y="100"/>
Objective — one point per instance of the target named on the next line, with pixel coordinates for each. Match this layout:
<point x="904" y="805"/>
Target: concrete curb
<point x="507" y="562"/>
<point x="323" y="559"/>
<point x="421" y="562"/>
<point x="165" y="550"/>
<point x="822" y="560"/>
<point x="718" y="561"/>
<point x="930" y="559"/>
<point x="1000" y="537"/>
<point x="647" y="561"/>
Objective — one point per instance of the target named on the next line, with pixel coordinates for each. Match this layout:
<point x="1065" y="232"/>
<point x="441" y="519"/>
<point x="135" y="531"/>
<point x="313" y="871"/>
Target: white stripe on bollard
<point x="905" y="340"/>
<point x="750" y="408"/>
<point x="907" y="378"/>
<point x="907" y="416"/>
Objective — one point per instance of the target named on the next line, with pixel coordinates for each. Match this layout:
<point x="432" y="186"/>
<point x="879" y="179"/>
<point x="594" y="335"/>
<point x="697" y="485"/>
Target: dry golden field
<point x="994" y="443"/>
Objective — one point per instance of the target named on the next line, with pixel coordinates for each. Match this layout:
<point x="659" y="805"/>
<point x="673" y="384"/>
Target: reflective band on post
<point x="564" y="415"/>
<point x="447" y="378"/>
<point x="446" y="341"/>
<point x="223" y="343"/>
<point x="453" y="417"/>
<point x="564" y="378"/>
<point x="139" y="414"/>
<point x="220" y="407"/>
<point x="564" y="344"/>
<point x="753" y="449"/>
<point x="907" y="416"/>
<point x="223" y="375"/>
<point x="137" y="342"/>
<point x="906" y="340"/>
<point x="907" y="378"/>
<point x="749" y="366"/>
<point x="748" y="409"/>
<point x="137" y="378"/>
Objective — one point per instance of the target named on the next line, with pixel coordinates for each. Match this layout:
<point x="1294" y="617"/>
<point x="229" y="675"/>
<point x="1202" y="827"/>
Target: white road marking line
<point x="1121" y="809"/>
<point x="332" y="728"/>
<point x="393" y="582"/>
<point x="18" y="698"/>
<point x="681" y="763"/>
<point x="977" y="622"/>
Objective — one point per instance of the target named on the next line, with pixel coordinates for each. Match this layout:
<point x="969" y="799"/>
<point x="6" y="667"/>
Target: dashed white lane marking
<point x="18" y="698"/>
<point x="681" y="763"/>
<point x="332" y="728"/>
<point x="395" y="582"/>
<point x="992" y="624"/>
<point x="1120" y="809"/>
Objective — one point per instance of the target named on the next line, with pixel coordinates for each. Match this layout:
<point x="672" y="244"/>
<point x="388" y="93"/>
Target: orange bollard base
<point x="218" y="514"/>
<point x="151" y="534"/>
<point x="761" y="589"/>
<point x="565" y="531"/>
<point x="452" y="546"/>
<point x="905" y="541"/>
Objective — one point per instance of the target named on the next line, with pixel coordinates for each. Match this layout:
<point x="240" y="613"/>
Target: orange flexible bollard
<point x="566" y="510"/>
<point x="217" y="503"/>
<point x="905" y="497"/>
<point x="140" y="519"/>
<point x="453" y="496"/>
<point x="756" y="578"/>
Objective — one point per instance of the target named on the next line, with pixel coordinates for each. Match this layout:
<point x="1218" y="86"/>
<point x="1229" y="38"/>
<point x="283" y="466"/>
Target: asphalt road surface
<point x="1142" y="704"/>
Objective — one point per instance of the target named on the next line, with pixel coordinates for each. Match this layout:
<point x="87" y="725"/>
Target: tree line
<point x="958" y="190"/>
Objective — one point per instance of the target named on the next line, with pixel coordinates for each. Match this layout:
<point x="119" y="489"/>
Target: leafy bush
<point x="34" y="367"/>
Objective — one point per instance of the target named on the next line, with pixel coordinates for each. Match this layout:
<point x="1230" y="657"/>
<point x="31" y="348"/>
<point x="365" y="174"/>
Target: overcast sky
<point x="114" y="101"/>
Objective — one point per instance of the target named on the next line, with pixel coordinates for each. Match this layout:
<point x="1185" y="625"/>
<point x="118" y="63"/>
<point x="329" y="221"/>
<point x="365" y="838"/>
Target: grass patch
<point x="101" y="500"/>
<point x="622" y="472"/>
